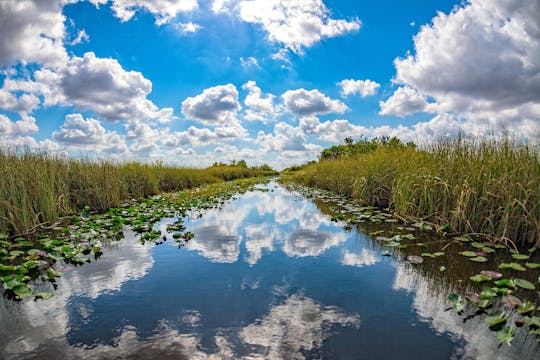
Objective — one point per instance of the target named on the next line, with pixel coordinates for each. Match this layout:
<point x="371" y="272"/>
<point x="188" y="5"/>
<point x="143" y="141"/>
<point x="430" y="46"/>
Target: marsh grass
<point x="488" y="188"/>
<point x="38" y="188"/>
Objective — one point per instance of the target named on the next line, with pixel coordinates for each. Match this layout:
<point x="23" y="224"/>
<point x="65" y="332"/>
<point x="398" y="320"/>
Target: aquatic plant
<point x="482" y="187"/>
<point x="38" y="188"/>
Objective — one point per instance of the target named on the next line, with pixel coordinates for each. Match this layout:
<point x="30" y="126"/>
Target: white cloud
<point x="82" y="36"/>
<point x="25" y="103"/>
<point x="249" y="62"/>
<point x="89" y="134"/>
<point x="302" y="102"/>
<point x="32" y="31"/>
<point x="296" y="24"/>
<point x="24" y="126"/>
<point x="284" y="138"/>
<point x="188" y="28"/>
<point x="361" y="87"/>
<point x="259" y="107"/>
<point x="215" y="106"/>
<point x="480" y="62"/>
<point x="104" y="87"/>
<point x="97" y="84"/>
<point x="163" y="10"/>
<point x="404" y="101"/>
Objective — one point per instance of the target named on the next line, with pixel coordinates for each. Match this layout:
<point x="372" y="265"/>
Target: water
<point x="269" y="276"/>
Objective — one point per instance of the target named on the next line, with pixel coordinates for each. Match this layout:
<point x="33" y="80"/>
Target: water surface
<point x="268" y="276"/>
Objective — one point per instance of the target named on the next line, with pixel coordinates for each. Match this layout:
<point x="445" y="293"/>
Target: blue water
<point x="268" y="276"/>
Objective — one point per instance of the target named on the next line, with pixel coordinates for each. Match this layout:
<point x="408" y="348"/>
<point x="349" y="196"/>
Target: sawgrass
<point x="483" y="187"/>
<point x="37" y="188"/>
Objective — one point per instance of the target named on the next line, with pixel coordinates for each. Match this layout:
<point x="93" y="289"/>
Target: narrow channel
<point x="267" y="276"/>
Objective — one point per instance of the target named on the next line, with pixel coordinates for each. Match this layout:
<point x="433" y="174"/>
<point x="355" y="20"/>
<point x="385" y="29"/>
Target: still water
<point x="268" y="276"/>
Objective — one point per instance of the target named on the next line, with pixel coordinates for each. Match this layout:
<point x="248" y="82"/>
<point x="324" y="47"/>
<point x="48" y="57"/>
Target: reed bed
<point x="40" y="188"/>
<point x="481" y="187"/>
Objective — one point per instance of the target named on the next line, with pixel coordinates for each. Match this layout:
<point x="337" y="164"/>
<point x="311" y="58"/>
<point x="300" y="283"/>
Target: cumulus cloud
<point x="480" y="61"/>
<point x="284" y="138"/>
<point x="404" y="101"/>
<point x="97" y="84"/>
<point x="32" y="32"/>
<point x="294" y="24"/>
<point x="361" y="87"/>
<point x="24" y="126"/>
<point x="259" y="107"/>
<point x="302" y="102"/>
<point x="215" y="106"/>
<point x="163" y="10"/>
<point x="24" y="103"/>
<point x="90" y="134"/>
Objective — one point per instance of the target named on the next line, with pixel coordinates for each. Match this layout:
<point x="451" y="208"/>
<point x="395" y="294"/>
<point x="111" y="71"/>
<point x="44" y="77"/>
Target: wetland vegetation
<point x="479" y="187"/>
<point x="461" y="216"/>
<point x="40" y="188"/>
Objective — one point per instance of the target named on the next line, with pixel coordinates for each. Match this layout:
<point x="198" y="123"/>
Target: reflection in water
<point x="430" y="297"/>
<point x="216" y="243"/>
<point x="306" y="242"/>
<point x="295" y="327"/>
<point x="259" y="238"/>
<point x="365" y="258"/>
<point x="269" y="276"/>
<point x="29" y="325"/>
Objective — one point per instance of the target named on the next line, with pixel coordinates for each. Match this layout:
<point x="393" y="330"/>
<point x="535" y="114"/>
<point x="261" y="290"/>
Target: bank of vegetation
<point x="40" y="188"/>
<point x="481" y="187"/>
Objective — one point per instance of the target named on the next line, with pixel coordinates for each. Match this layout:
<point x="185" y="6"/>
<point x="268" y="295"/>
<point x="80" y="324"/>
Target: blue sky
<point x="191" y="82"/>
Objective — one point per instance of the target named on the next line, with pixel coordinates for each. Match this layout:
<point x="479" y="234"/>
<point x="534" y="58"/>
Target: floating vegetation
<point x="80" y="239"/>
<point x="484" y="293"/>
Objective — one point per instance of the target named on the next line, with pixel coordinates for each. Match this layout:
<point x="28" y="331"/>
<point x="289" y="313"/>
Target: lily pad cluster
<point x="25" y="260"/>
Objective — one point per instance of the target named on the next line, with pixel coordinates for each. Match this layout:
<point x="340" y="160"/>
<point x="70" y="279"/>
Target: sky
<point x="193" y="82"/>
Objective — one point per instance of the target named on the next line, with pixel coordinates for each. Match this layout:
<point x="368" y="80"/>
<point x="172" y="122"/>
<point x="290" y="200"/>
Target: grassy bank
<point x="486" y="188"/>
<point x="37" y="188"/>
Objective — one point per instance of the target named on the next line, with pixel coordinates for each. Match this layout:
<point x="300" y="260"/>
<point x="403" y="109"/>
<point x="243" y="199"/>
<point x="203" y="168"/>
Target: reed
<point x="483" y="187"/>
<point x="38" y="188"/>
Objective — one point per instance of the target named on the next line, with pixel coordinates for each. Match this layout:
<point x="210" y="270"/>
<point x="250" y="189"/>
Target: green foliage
<point x="38" y="188"/>
<point x="362" y="146"/>
<point x="466" y="186"/>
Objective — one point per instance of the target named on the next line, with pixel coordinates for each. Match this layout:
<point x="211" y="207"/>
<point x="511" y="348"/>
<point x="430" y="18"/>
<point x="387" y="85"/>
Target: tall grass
<point x="37" y="188"/>
<point x="482" y="187"/>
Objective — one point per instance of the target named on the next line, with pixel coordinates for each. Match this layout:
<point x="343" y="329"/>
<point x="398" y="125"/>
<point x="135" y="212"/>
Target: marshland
<point x="439" y="242"/>
<point x="269" y="179"/>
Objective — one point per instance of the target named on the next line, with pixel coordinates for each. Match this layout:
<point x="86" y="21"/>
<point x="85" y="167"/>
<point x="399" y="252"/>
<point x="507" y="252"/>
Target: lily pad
<point x="478" y="278"/>
<point x="513" y="266"/>
<point x="532" y="265"/>
<point x="479" y="259"/>
<point x="457" y="302"/>
<point x="520" y="256"/>
<point x="414" y="259"/>
<point x="43" y="295"/>
<point x="505" y="335"/>
<point x="526" y="307"/>
<point x="22" y="291"/>
<point x="511" y="301"/>
<point x="468" y="253"/>
<point x="524" y="284"/>
<point x="495" y="320"/>
<point x="492" y="274"/>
